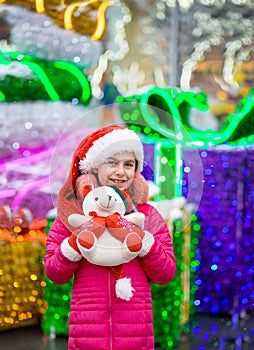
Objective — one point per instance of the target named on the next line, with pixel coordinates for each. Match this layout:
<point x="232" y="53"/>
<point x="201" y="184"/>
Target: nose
<point x="119" y="169"/>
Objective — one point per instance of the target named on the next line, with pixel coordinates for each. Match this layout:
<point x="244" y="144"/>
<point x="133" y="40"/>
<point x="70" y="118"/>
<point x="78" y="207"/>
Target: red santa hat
<point x="109" y="141"/>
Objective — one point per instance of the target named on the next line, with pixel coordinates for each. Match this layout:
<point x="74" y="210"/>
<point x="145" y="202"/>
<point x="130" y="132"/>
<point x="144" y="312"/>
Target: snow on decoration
<point x="37" y="35"/>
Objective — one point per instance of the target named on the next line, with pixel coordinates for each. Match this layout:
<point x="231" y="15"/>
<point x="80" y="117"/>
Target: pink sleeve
<point x="160" y="263"/>
<point x="58" y="268"/>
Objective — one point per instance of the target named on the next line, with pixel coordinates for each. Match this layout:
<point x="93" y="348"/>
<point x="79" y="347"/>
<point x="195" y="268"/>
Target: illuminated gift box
<point x="221" y="186"/>
<point x="22" y="275"/>
<point x="226" y="271"/>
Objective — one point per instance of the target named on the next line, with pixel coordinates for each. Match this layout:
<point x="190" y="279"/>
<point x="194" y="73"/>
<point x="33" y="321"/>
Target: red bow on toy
<point x="115" y="223"/>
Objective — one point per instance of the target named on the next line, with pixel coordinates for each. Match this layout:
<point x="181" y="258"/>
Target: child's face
<point x="118" y="170"/>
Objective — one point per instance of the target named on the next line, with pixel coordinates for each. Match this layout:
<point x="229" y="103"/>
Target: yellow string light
<point x="70" y="10"/>
<point x="39" y="6"/>
<point x="101" y="22"/>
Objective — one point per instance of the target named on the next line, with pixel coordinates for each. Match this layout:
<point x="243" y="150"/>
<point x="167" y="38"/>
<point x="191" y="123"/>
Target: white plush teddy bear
<point x="107" y="235"/>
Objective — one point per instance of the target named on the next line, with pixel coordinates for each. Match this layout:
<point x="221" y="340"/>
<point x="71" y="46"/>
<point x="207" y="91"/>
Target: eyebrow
<point x="125" y="160"/>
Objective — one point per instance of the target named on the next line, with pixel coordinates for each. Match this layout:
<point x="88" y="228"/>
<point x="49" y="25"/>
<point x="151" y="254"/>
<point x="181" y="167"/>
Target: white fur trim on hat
<point x="116" y="141"/>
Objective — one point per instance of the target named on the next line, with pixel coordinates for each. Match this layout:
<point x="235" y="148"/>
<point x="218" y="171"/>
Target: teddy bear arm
<point x="77" y="220"/>
<point x="135" y="218"/>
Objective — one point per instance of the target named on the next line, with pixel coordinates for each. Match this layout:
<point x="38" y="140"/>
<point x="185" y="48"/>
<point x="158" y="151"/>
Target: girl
<point x="99" y="320"/>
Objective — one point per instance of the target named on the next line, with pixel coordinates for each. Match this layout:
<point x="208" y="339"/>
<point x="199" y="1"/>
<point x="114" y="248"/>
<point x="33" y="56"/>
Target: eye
<point x="96" y="198"/>
<point x="111" y="162"/>
<point x="129" y="164"/>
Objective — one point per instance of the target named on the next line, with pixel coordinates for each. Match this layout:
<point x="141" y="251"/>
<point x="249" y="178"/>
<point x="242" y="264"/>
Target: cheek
<point x="101" y="179"/>
<point x="102" y="176"/>
<point x="131" y="175"/>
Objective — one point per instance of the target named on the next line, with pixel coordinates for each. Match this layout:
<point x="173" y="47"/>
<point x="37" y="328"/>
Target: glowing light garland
<point x="82" y="79"/>
<point x="174" y="124"/>
<point x="101" y="23"/>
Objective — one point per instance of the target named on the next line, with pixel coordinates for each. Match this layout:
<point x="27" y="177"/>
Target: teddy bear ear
<point x="84" y="184"/>
<point x="128" y="202"/>
<point x="87" y="189"/>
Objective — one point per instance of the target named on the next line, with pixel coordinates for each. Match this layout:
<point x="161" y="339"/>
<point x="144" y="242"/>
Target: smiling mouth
<point x="118" y="181"/>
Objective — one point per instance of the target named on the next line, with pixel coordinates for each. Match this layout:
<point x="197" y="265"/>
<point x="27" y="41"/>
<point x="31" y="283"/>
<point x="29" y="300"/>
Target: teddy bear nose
<point x="107" y="201"/>
<point x="110" y="202"/>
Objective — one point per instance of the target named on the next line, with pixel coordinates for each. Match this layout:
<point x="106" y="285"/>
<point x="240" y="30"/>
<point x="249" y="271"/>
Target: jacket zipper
<point x="110" y="314"/>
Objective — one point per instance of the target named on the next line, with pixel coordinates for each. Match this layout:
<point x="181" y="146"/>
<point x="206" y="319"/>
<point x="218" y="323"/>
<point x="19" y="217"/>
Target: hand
<point x="132" y="246"/>
<point x="70" y="249"/>
<point x="147" y="244"/>
<point x="73" y="242"/>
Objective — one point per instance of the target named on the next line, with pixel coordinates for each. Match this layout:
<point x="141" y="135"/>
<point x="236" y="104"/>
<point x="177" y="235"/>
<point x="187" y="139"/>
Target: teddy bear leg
<point x="86" y="239"/>
<point x="133" y="242"/>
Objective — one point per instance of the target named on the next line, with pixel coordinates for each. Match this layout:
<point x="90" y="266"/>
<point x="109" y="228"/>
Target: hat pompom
<point x="124" y="289"/>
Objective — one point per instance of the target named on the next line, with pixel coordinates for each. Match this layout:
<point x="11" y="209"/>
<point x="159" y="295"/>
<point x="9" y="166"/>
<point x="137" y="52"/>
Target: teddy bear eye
<point x="96" y="198"/>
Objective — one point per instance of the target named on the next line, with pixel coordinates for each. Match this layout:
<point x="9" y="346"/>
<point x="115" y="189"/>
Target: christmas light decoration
<point x="22" y="273"/>
<point x="100" y="28"/>
<point x="47" y="77"/>
<point x="161" y="114"/>
<point x="166" y="119"/>
<point x="225" y="272"/>
<point x="77" y="15"/>
<point x="35" y="34"/>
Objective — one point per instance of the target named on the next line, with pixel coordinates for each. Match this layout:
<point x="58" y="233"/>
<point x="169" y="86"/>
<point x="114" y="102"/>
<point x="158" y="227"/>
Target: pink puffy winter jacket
<point x="98" y="319"/>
